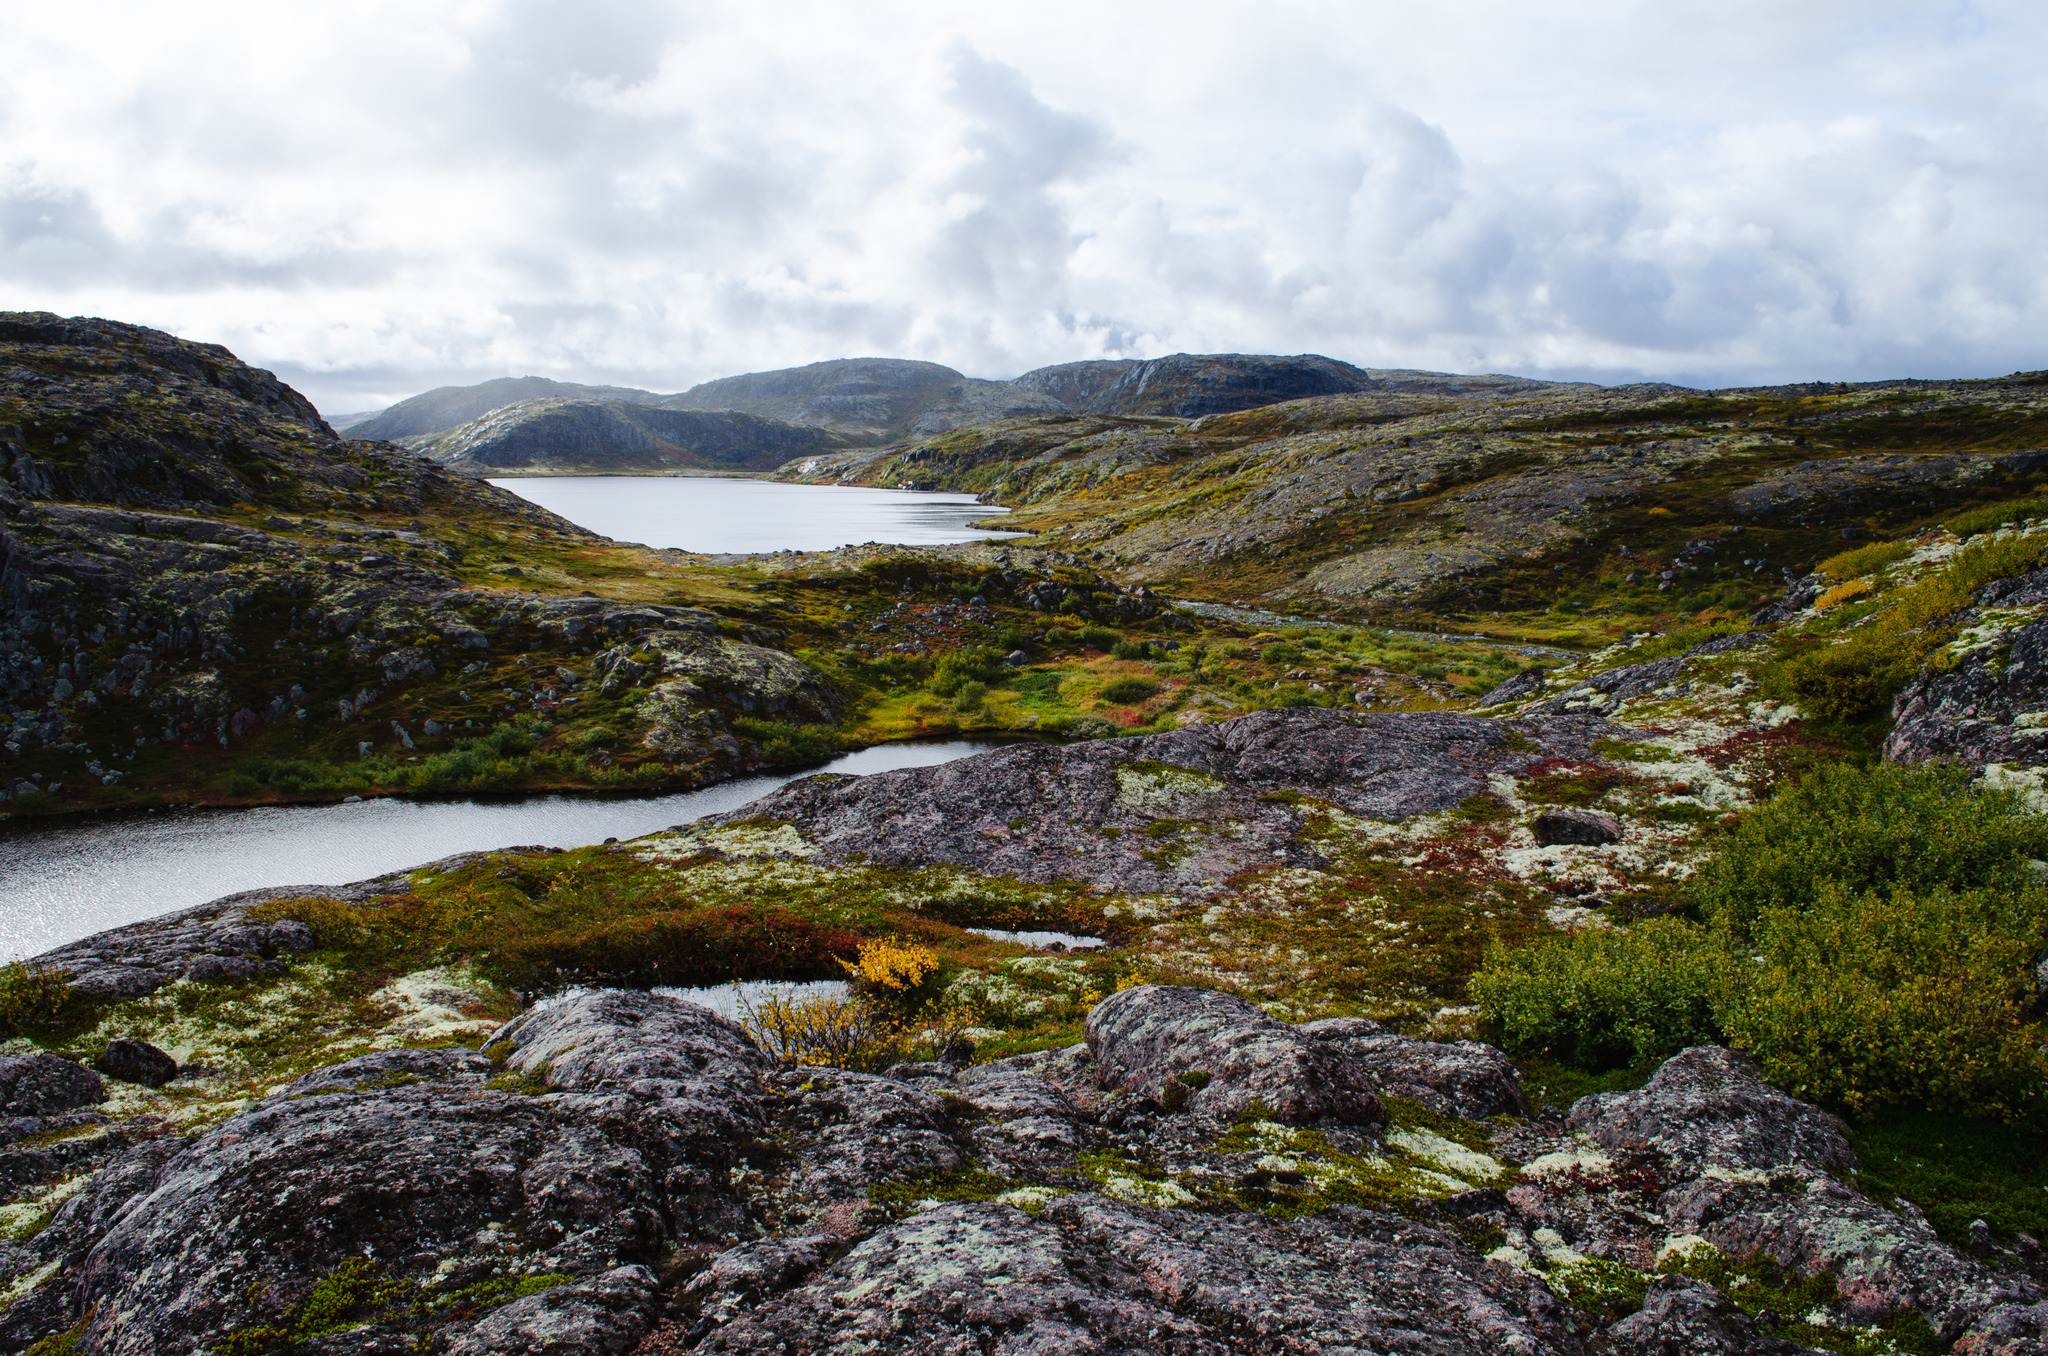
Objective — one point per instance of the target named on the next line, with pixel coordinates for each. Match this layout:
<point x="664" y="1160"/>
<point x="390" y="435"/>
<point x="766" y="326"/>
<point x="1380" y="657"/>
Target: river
<point x="66" y="879"/>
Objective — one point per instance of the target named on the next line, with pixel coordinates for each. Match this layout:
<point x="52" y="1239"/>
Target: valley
<point x="1566" y="864"/>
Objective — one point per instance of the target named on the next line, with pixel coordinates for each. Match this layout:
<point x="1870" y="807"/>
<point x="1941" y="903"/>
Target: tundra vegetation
<point x="1617" y="730"/>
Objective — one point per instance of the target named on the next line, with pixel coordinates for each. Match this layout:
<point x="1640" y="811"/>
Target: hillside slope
<point x="1465" y="502"/>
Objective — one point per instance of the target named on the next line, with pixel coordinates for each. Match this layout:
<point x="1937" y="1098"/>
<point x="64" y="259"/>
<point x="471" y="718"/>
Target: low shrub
<point x="1599" y="999"/>
<point x="1862" y="1002"/>
<point x="708" y="945"/>
<point x="972" y="697"/>
<point x="1281" y="653"/>
<point x="977" y="664"/>
<point x="1972" y="521"/>
<point x="32" y="996"/>
<point x="1097" y="637"/>
<point x="1126" y="691"/>
<point x="900" y="976"/>
<point x="1865" y="560"/>
<point x="1864" y="829"/>
<point x="789" y="744"/>
<point x="840" y="1032"/>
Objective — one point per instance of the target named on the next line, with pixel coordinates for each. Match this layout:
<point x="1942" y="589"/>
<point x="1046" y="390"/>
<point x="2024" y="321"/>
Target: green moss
<point x="1760" y="1286"/>
<point x="961" y="1184"/>
<point x="1958" y="1169"/>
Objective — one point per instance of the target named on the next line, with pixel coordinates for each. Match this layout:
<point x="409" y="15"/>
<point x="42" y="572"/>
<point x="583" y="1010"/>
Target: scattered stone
<point x="1459" y="1078"/>
<point x="1583" y="828"/>
<point x="137" y="1061"/>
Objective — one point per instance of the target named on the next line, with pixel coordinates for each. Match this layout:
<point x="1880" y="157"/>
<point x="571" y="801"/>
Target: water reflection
<point x="72" y="878"/>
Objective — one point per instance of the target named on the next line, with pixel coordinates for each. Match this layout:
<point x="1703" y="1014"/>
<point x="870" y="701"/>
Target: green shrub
<point x="1125" y="691"/>
<point x="1132" y="649"/>
<point x="32" y="996"/>
<point x="1097" y="637"/>
<point x="1900" y="999"/>
<point x="1855" y="675"/>
<point x="978" y="664"/>
<point x="1597" y="999"/>
<point x="1972" y="521"/>
<point x="972" y="696"/>
<point x="1924" y="828"/>
<point x="1865" y="560"/>
<point x="1281" y="654"/>
<point x="788" y="744"/>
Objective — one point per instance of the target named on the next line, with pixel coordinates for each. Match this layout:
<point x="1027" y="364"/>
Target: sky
<point x="377" y="198"/>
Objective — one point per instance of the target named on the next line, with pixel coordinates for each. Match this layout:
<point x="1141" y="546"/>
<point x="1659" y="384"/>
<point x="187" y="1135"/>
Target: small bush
<point x="836" y="1032"/>
<point x="1842" y="593"/>
<point x="1865" y="559"/>
<point x="1901" y="999"/>
<point x="1924" y="828"/>
<point x="972" y="697"/>
<point x="1097" y="637"/>
<point x="979" y="664"/>
<point x="1281" y="653"/>
<point x="1130" y="649"/>
<point x="789" y="744"/>
<point x="32" y="996"/>
<point x="901" y="976"/>
<point x="1972" y="521"/>
<point x="1597" y="1000"/>
<point x="1126" y="691"/>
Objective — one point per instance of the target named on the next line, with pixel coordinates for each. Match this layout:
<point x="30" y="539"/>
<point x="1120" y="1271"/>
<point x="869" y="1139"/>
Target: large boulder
<point x="137" y="1061"/>
<point x="603" y="1316"/>
<point x="1150" y="1038"/>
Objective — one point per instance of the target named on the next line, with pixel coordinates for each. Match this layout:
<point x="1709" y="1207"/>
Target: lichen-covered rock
<point x="137" y="1061"/>
<point x="603" y="1316"/>
<point x="1148" y="1037"/>
<point x="852" y="1131"/>
<point x="1226" y="793"/>
<point x="445" y="1169"/>
<point x="1684" y="1317"/>
<point x="43" y="1085"/>
<point x="1972" y="711"/>
<point x="1453" y="1078"/>
<point x="1093" y="1275"/>
<point x="2009" y="1330"/>
<point x="1709" y="1107"/>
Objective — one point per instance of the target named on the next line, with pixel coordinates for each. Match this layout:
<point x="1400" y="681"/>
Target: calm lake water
<point x="67" y="880"/>
<point x="721" y="517"/>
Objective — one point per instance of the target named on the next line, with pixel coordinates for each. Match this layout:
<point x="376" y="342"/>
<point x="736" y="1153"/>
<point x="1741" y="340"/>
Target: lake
<point x="70" y="878"/>
<point x="722" y="516"/>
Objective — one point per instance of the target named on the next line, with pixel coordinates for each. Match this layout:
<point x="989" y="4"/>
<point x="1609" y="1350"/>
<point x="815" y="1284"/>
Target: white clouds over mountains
<point x="377" y="198"/>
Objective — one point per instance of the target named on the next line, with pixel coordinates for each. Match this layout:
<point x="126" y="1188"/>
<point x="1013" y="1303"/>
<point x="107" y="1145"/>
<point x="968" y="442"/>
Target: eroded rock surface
<point x="1088" y="1274"/>
<point x="1149" y="1038"/>
<point x="1042" y="812"/>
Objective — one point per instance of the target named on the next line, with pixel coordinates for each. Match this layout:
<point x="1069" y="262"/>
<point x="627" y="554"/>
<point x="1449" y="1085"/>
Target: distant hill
<point x="1189" y="385"/>
<point x="867" y="400"/>
<point x="447" y="407"/>
<point x="861" y="402"/>
<point x="609" y="435"/>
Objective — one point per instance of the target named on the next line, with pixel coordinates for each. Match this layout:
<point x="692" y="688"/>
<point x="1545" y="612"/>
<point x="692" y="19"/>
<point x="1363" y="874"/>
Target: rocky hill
<point x="1476" y="498"/>
<point x="447" y="407"/>
<point x="586" y="435"/>
<point x="1188" y="385"/>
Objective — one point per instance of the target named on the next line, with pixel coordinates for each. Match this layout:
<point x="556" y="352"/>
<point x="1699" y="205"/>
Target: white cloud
<point x="381" y="197"/>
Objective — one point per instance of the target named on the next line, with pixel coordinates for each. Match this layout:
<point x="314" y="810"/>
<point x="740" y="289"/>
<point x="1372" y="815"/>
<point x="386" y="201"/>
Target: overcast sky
<point x="376" y="198"/>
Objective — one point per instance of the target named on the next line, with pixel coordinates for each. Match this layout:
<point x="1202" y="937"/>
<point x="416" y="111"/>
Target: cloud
<point x="378" y="198"/>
